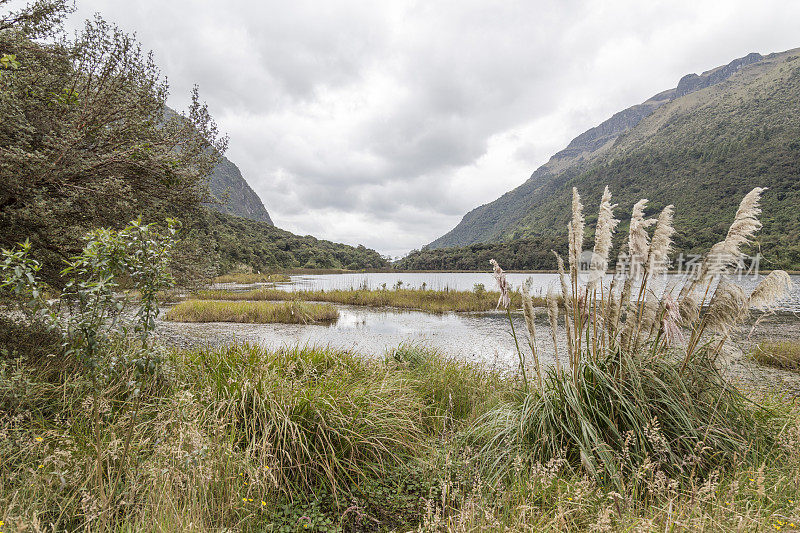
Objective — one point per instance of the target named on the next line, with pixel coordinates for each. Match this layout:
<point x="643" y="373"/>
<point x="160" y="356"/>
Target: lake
<point x="465" y="281"/>
<point x="484" y="337"/>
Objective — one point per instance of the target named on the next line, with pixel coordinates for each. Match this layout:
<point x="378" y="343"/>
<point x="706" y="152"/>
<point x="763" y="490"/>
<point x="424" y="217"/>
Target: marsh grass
<point x="432" y="301"/>
<point x="251" y="277"/>
<point x="455" y="391"/>
<point x="312" y="418"/>
<point x="330" y="440"/>
<point x="249" y="312"/>
<point x="781" y="354"/>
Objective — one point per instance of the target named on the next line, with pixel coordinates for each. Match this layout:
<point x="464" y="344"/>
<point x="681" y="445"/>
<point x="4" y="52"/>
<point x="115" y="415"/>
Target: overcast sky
<point x="382" y="123"/>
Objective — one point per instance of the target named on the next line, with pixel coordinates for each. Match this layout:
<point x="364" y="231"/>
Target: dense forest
<point x="238" y="241"/>
<point x="521" y="254"/>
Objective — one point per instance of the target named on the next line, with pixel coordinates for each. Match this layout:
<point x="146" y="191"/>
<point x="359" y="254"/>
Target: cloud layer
<point x="382" y="123"/>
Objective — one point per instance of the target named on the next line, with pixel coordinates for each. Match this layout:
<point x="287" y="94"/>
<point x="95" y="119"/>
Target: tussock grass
<point x="250" y="277"/>
<point x="311" y="417"/>
<point x="611" y="424"/>
<point x="454" y="391"/>
<point x="432" y="301"/>
<point x="782" y="354"/>
<point x="252" y="312"/>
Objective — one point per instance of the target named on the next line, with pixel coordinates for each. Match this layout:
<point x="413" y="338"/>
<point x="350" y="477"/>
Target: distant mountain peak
<point x="235" y="195"/>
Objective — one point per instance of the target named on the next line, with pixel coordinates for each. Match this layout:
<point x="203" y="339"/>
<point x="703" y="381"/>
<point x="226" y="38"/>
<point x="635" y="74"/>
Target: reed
<point x="252" y="312"/>
<point x="431" y="301"/>
<point x="246" y="278"/>
<point x="635" y="393"/>
<point x="240" y="438"/>
<point x="781" y="354"/>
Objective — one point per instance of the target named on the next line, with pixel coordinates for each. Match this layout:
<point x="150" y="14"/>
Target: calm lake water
<point x="477" y="336"/>
<point x="465" y="281"/>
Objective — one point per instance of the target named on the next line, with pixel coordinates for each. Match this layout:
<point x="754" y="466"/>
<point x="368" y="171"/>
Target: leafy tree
<point x="85" y="141"/>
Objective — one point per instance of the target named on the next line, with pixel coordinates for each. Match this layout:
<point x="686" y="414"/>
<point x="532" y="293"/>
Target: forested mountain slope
<point x="700" y="146"/>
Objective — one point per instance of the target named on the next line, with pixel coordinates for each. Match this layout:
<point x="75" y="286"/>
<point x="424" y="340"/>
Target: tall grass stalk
<point x="634" y="393"/>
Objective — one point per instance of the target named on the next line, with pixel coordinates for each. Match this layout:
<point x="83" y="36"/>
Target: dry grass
<point x="432" y="301"/>
<point x="781" y="354"/>
<point x="250" y="277"/>
<point x="252" y="312"/>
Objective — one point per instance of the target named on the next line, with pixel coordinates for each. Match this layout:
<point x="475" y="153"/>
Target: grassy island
<point x="252" y="312"/>
<point x="249" y="277"/>
<point x="432" y="301"/>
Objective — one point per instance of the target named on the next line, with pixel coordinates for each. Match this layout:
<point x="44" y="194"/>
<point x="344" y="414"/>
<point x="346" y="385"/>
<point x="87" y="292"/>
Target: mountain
<point x="700" y="146"/>
<point x="231" y="191"/>
<point x="235" y="195"/>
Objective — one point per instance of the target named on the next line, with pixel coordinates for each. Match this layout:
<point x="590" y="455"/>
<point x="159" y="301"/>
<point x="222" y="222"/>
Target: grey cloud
<point x="383" y="122"/>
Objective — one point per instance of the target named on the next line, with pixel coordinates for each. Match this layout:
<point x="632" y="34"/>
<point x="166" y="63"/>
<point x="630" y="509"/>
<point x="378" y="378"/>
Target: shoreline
<point x="328" y="271"/>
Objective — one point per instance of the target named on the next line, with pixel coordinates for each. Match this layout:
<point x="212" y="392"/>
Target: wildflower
<point x="263" y="503"/>
<point x="244" y="500"/>
<point x="570" y="499"/>
<point x="39" y="439"/>
<point x="41" y="466"/>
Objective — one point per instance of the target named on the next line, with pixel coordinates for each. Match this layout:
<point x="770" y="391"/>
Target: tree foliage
<point x="521" y="254"/>
<point x="236" y="241"/>
<point x="84" y="139"/>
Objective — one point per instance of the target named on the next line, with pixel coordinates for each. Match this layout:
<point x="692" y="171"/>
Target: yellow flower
<point x="41" y="466"/>
<point x="249" y="499"/>
<point x="39" y="439"/>
<point x="244" y="500"/>
<point x="751" y="479"/>
<point x="570" y="499"/>
<point x="263" y="503"/>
